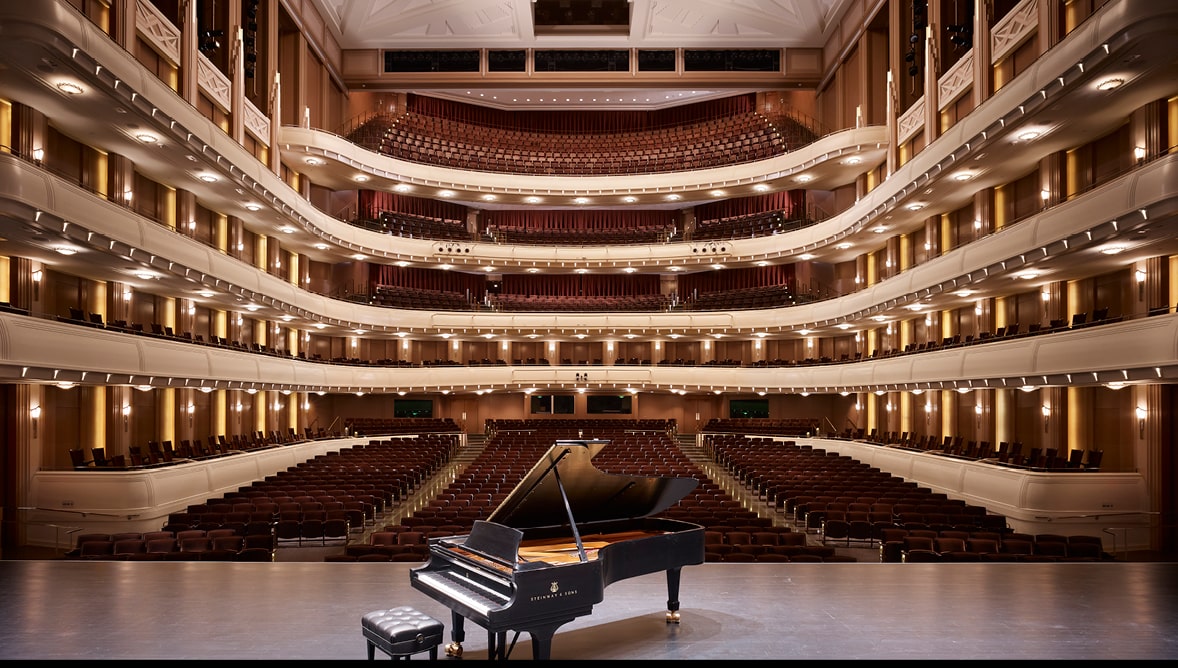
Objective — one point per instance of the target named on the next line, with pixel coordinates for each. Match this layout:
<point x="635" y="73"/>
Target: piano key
<point x="464" y="589"/>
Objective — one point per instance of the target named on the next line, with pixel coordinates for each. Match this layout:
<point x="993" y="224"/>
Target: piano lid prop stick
<point x="568" y="508"/>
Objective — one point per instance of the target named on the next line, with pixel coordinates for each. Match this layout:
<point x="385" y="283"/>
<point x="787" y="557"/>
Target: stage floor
<point x="59" y="609"/>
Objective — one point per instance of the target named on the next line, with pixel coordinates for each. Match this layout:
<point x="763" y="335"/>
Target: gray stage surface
<point x="57" y="609"/>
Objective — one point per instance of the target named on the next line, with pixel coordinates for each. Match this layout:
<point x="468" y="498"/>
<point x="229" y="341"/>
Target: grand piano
<point x="544" y="556"/>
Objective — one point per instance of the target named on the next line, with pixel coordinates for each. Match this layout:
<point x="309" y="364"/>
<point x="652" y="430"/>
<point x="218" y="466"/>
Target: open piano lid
<point x="592" y="495"/>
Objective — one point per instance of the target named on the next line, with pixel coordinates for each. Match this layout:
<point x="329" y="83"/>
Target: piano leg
<point x="457" y="634"/>
<point x="673" y="595"/>
<point x="497" y="645"/>
<point x="542" y="640"/>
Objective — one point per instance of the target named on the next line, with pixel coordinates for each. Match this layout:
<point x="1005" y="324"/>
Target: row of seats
<point x="423" y="227"/>
<point x="385" y="426"/>
<point x="515" y="445"/>
<point x="519" y="235"/>
<point x="596" y="303"/>
<point x="764" y="223"/>
<point x="762" y="296"/>
<point x="905" y="546"/>
<point x="320" y="502"/>
<point x="766" y="426"/>
<point x="396" y="296"/>
<point x="188" y="545"/>
<point x="432" y="140"/>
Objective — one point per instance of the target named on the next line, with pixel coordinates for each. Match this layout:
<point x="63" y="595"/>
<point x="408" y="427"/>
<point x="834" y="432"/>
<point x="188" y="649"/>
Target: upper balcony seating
<point x="759" y="224"/>
<point x="595" y="303"/>
<point x="419" y="137"/>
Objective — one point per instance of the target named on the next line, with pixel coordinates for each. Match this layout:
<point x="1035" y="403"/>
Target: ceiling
<point x="379" y="24"/>
<point x="599" y="24"/>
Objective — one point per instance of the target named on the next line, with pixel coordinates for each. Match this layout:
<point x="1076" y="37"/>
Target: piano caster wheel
<point x="454" y="649"/>
<point x="672" y="616"/>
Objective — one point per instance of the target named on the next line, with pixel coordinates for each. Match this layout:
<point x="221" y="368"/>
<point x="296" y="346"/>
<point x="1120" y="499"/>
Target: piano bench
<point x="401" y="632"/>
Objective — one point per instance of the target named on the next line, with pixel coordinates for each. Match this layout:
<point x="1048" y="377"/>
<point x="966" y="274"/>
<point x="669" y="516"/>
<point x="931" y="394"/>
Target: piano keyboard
<point x="464" y="589"/>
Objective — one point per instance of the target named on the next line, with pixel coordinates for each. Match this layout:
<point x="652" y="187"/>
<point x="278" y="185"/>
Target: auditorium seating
<point x="444" y="133"/>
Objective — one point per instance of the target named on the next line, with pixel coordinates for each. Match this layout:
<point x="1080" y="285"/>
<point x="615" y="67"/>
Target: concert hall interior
<point x="839" y="286"/>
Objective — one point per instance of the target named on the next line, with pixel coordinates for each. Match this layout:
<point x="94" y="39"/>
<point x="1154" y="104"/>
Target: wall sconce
<point x="1046" y="416"/>
<point x="1142" y="413"/>
<point x="35" y="414"/>
<point x="191" y="411"/>
<point x="37" y="274"/>
<point x="1139" y="153"/>
<point x="38" y="155"/>
<point x="1140" y="276"/>
<point x="126" y="416"/>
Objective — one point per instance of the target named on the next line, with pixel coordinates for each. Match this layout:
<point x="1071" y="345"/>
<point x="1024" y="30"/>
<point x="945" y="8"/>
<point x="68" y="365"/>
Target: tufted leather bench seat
<point x="401" y="632"/>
